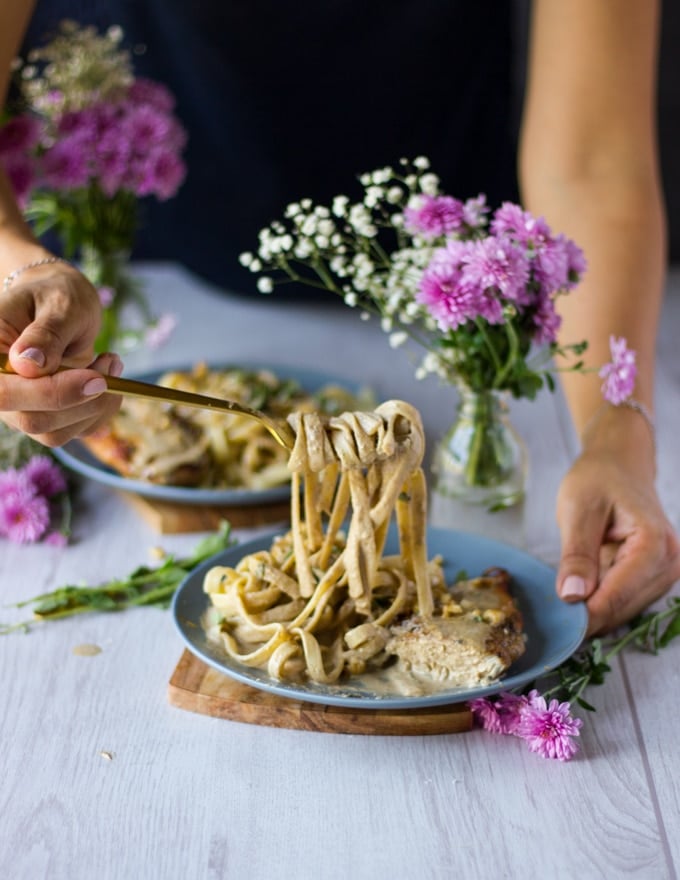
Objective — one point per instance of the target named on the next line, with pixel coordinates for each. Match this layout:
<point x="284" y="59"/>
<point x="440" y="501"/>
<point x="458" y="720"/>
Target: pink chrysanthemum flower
<point x="13" y="480"/>
<point x="106" y="296"/>
<point x="548" y="728"/>
<point x="160" y="332"/>
<point x="547" y="321"/>
<point x="161" y="175"/>
<point x="485" y="713"/>
<point x="510" y="708"/>
<point x="441" y="289"/>
<point x="65" y="165"/>
<point x="499" y="716"/>
<point x="144" y="91"/>
<point x="576" y="261"/>
<point x="550" y="266"/>
<point x="496" y="265"/>
<point x="434" y="216"/>
<point x="78" y="123"/>
<point x="24" y="516"/>
<point x="20" y="170"/>
<point x="145" y="128"/>
<point x="619" y="375"/>
<point x="451" y="293"/>
<point x="512" y="221"/>
<point x="45" y="476"/>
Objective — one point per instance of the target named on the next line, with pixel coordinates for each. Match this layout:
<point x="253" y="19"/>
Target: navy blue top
<point x="283" y="100"/>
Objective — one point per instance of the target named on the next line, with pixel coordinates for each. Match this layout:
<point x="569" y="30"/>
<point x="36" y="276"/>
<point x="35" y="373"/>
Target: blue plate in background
<point x="78" y="458"/>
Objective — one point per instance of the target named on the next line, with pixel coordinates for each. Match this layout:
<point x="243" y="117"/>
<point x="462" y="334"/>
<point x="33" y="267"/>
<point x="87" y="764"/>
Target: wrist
<point x="624" y="432"/>
<point x="18" y="250"/>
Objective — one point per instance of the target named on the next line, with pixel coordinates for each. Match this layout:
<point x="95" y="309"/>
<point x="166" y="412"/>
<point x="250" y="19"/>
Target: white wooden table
<point x="188" y="796"/>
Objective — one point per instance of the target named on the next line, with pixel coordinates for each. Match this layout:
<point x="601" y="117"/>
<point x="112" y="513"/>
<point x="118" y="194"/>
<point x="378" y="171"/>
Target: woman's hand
<point x="50" y="317"/>
<point x="619" y="551"/>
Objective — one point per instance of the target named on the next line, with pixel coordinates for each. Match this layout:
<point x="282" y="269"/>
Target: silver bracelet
<point x="638" y="407"/>
<point x="44" y="262"/>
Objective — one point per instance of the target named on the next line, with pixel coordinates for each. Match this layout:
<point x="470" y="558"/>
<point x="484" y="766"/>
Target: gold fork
<point x="280" y="430"/>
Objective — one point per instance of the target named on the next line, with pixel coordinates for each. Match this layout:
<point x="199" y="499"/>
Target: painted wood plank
<point x="185" y="795"/>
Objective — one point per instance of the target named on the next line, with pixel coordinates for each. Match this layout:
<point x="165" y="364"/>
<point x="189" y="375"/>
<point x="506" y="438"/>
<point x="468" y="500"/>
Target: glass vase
<point x="481" y="460"/>
<point x="125" y="311"/>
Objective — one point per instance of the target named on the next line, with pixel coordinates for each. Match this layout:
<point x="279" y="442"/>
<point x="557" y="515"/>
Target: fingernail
<point x="33" y="354"/>
<point x="94" y="386"/>
<point x="116" y="368"/>
<point x="573" y="586"/>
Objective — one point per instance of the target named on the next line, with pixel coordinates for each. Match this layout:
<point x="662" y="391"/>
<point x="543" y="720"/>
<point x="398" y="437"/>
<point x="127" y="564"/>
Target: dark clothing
<point x="287" y="100"/>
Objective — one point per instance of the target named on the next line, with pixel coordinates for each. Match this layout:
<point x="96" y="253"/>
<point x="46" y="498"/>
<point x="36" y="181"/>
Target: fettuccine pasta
<point x="317" y="605"/>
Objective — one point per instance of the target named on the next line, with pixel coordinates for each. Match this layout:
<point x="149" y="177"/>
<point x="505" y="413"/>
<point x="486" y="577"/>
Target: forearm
<point x="589" y="165"/>
<point x="18" y="245"/>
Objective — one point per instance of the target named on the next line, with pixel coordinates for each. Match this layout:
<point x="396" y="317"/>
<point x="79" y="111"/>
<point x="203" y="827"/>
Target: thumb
<point x="583" y="533"/>
<point x="39" y="350"/>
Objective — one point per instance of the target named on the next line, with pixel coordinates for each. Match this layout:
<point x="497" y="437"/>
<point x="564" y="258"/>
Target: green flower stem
<point x="480" y="468"/>
<point x="479" y="323"/>
<point x="513" y="352"/>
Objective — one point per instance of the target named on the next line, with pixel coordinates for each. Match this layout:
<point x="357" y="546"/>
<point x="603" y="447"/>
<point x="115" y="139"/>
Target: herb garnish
<point x="649" y="632"/>
<point x="144" y="586"/>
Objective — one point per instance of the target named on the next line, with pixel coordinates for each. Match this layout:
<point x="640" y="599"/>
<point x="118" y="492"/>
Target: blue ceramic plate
<point x="554" y="629"/>
<point x="77" y="457"/>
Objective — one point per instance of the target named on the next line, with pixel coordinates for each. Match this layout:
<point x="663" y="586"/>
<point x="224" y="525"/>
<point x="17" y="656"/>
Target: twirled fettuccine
<point x="317" y="604"/>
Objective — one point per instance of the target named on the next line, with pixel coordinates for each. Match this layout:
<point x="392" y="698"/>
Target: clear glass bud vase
<point x="481" y="460"/>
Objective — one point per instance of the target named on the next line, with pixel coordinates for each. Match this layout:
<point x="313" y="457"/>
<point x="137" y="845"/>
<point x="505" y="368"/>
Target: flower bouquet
<point x="473" y="288"/>
<point x="85" y="142"/>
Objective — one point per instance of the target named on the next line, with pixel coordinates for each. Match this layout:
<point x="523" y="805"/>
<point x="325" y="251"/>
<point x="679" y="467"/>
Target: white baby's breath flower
<point x="305" y="204"/>
<point x="386" y="325"/>
<point x="255" y="266"/>
<point x="246" y="258"/>
<point x="365" y="179"/>
<point x="393" y="195"/>
<point x="365" y="316"/>
<point x="398" y="339"/>
<point x="321" y="241"/>
<point x="309" y="226"/>
<point x="340" y="205"/>
<point x="373" y="196"/>
<point x="429" y="183"/>
<point x="382" y="175"/>
<point x="303" y="249"/>
<point x="292" y="210"/>
<point x="351" y="299"/>
<point x="422" y="163"/>
<point x="326" y="227"/>
<point x="265" y="284"/>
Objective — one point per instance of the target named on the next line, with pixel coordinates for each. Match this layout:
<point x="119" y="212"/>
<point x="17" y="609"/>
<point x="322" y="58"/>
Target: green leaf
<point x="671" y="632"/>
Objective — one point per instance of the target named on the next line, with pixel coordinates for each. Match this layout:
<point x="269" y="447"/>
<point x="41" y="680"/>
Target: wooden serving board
<point x="167" y="518"/>
<point x="197" y="687"/>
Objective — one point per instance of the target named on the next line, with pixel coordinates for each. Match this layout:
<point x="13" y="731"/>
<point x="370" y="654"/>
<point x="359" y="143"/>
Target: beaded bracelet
<point x="44" y="262"/>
